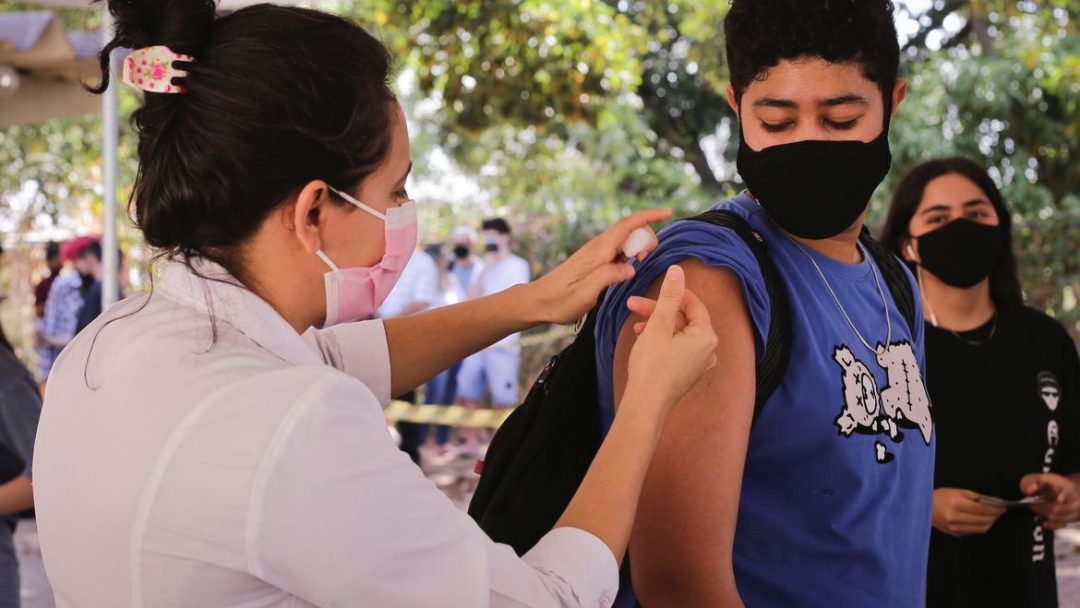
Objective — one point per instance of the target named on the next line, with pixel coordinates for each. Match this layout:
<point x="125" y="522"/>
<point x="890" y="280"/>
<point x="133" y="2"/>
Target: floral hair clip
<point x="151" y="69"/>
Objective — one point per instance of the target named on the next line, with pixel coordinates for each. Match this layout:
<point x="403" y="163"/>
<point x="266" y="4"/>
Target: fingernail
<point x="675" y="273"/>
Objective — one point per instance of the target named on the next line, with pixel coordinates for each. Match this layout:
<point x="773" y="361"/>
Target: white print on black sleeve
<point x="902" y="404"/>
<point x="1050" y="392"/>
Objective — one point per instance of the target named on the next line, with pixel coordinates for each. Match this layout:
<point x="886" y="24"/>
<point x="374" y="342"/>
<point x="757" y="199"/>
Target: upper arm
<point x="52" y="303"/>
<point x="1070" y="405"/>
<point x="373" y="531"/>
<point x="681" y="545"/>
<point x="20" y="412"/>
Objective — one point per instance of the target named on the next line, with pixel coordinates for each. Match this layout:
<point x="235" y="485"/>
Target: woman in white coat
<point x="205" y="446"/>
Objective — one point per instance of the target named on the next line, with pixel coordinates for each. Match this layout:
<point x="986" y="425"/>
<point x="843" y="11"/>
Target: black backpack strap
<point x="894" y="276"/>
<point x="770" y="370"/>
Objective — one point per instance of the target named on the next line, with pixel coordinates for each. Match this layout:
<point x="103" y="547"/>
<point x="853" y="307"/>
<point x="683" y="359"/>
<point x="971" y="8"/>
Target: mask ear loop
<point x="381" y="216"/>
<point x="926" y="300"/>
<point x="326" y="260"/>
<point x="922" y="290"/>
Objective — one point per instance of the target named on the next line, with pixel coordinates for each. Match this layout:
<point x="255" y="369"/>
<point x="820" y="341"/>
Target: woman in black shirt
<point x="1003" y="379"/>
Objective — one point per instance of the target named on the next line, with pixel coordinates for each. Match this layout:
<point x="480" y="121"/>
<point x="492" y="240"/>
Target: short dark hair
<point x="497" y="224"/>
<point x="759" y="34"/>
<point x="52" y="250"/>
<point x="276" y="97"/>
<point x="91" y="249"/>
<point x="1004" y="283"/>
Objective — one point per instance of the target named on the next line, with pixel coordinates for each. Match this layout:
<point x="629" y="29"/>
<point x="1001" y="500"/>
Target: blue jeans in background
<point x="441" y="390"/>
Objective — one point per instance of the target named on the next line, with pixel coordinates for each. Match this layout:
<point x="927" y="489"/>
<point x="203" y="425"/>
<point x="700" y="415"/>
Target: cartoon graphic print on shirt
<point x="903" y="403"/>
<point x="1049" y="390"/>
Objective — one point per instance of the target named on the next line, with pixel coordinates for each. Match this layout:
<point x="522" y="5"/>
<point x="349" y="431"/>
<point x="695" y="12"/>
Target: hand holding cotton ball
<point x="637" y="242"/>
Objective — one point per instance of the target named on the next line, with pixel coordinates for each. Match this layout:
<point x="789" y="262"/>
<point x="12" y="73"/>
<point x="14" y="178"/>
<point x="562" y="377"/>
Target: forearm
<point x="606" y="501"/>
<point x="423" y="345"/>
<point x="16" y="495"/>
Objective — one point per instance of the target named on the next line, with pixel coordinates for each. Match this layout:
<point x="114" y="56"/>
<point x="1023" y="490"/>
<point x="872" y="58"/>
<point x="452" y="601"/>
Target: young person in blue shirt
<point x="825" y="500"/>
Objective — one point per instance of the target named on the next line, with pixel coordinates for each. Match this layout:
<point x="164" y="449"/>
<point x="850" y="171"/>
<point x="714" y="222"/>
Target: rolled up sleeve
<point x="358" y="349"/>
<point x="567" y="568"/>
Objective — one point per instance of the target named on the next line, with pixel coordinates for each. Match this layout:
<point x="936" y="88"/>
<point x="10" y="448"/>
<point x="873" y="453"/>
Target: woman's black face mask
<point x="961" y="253"/>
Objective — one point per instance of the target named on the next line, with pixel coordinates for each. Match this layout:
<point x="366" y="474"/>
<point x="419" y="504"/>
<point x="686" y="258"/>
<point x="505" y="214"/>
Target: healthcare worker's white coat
<point x="257" y="472"/>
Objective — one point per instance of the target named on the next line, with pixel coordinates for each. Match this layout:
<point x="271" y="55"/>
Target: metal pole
<point x="110" y="124"/>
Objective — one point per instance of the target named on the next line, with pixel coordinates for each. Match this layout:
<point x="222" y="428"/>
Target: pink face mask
<point x="356" y="293"/>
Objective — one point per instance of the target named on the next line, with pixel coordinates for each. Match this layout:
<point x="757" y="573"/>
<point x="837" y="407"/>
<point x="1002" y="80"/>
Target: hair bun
<point x="181" y="25"/>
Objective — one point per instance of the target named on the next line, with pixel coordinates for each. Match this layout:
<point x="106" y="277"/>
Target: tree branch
<point x="937" y="19"/>
<point x="977" y="23"/>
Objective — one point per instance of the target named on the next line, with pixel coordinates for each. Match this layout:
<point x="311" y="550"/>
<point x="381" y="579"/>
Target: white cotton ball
<point x="637" y="242"/>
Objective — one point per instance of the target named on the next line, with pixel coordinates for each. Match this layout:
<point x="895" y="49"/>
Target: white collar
<point x="221" y="296"/>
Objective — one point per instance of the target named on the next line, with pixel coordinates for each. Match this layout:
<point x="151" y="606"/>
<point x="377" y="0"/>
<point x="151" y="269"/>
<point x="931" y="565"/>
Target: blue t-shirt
<point x="464" y="274"/>
<point x="838" y="483"/>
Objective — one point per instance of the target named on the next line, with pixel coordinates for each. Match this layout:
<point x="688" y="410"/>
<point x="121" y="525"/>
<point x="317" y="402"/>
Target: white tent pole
<point x="110" y="124"/>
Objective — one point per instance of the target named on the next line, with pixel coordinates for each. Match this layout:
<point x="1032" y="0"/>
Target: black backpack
<point x="539" y="456"/>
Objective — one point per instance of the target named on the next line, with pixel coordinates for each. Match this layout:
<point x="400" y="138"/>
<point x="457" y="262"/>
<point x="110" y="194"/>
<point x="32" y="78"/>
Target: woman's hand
<point x="1062" y="504"/>
<point x="572" y="289"/>
<point x="675" y="347"/>
<point x="957" y="513"/>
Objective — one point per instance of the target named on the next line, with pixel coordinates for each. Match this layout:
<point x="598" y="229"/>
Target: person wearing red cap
<point x="62" y="307"/>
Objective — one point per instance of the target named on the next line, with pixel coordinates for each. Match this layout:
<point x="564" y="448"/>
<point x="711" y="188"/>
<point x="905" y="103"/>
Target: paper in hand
<point x="1009" y="504"/>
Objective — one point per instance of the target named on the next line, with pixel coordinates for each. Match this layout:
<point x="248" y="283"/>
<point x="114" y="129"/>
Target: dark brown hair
<point x="1004" y="283"/>
<point x="276" y="97"/>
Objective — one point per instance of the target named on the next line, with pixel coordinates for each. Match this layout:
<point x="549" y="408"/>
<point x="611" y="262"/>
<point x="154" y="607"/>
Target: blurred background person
<point x="466" y="265"/>
<point x="1004" y="380"/>
<point x="442" y="389"/>
<point x="416" y="291"/>
<point x="64" y="303"/>
<point x="41" y="294"/>
<point x="54" y="265"/>
<point x="494" y="370"/>
<point x="89" y="264"/>
<point x="20" y="407"/>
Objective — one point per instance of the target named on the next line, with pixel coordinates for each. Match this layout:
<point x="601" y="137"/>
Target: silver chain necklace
<point x="881" y="292"/>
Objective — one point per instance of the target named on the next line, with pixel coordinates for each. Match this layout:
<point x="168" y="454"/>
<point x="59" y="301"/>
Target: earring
<point x="911" y="252"/>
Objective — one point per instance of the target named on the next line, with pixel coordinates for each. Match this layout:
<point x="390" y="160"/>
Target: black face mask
<point x="815" y="189"/>
<point x="461" y="252"/>
<point x="87" y="280"/>
<point x="491" y="248"/>
<point x="961" y="253"/>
